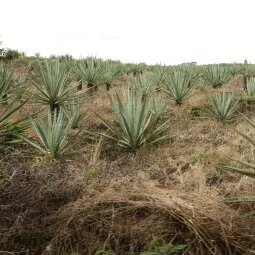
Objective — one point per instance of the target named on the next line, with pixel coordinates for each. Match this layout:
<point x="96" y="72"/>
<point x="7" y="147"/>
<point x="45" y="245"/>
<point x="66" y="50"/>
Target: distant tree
<point x="38" y="54"/>
<point x="12" y="54"/>
<point x="189" y="63"/>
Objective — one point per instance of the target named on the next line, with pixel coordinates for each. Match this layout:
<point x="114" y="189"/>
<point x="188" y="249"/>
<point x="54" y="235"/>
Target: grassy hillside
<point x="94" y="195"/>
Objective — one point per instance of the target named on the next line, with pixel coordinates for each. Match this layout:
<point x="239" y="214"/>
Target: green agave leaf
<point x="52" y="135"/>
<point x="215" y="75"/>
<point x="137" y="124"/>
<point x="54" y="87"/>
<point x="240" y="200"/>
<point x="223" y="105"/>
<point x="177" y="85"/>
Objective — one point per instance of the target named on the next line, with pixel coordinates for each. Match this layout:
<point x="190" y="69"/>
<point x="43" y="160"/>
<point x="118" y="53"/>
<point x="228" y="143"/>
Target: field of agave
<point x="101" y="157"/>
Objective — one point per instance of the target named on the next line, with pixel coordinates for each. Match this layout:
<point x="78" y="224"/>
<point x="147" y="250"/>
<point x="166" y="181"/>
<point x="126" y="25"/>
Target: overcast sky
<point x="151" y="31"/>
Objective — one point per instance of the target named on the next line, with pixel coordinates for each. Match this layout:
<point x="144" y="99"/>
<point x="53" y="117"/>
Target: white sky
<point x="151" y="31"/>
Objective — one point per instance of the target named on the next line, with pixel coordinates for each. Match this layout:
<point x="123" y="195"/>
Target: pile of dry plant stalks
<point x="56" y="210"/>
<point x="125" y="221"/>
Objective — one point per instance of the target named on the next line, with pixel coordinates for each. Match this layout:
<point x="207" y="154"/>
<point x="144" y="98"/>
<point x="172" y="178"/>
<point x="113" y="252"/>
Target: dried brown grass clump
<point x="28" y="194"/>
<point x="126" y="220"/>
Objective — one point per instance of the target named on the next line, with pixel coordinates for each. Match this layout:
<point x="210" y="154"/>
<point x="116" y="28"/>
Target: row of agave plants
<point x="139" y="112"/>
<point x="55" y="88"/>
<point x="95" y="71"/>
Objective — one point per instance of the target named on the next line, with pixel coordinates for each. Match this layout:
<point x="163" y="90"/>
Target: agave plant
<point x="158" y="105"/>
<point x="7" y="82"/>
<point x="137" y="68"/>
<point x="193" y="71"/>
<point x="77" y="75"/>
<point x="250" y="70"/>
<point x="142" y="84"/>
<point x="90" y="70"/>
<point x="137" y="125"/>
<point x="74" y="113"/>
<point x="246" y="168"/>
<point x="8" y="126"/>
<point x="247" y="165"/>
<point x="177" y="85"/>
<point x="127" y="68"/>
<point x="52" y="134"/>
<point x="111" y="70"/>
<point x="250" y="88"/>
<point x="223" y="106"/>
<point x="158" y="76"/>
<point x="54" y="88"/>
<point x="215" y="75"/>
<point x="235" y="68"/>
<point x="9" y="131"/>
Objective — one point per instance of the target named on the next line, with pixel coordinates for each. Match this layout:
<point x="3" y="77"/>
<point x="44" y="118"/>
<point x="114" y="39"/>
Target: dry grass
<point x="125" y="220"/>
<point x="106" y="198"/>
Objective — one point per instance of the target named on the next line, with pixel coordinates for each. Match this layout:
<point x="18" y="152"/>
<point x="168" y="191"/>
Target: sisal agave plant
<point x="7" y="82"/>
<point x="158" y="76"/>
<point x="137" y="68"/>
<point x="193" y="71"/>
<point x="137" y="125"/>
<point x="223" y="106"/>
<point x="250" y="70"/>
<point x="52" y="135"/>
<point x="90" y="70"/>
<point x="246" y="168"/>
<point x="74" y="113"/>
<point x="142" y="84"/>
<point x="54" y="88"/>
<point x="250" y="88"/>
<point x="215" y="75"/>
<point x="77" y="75"/>
<point x="111" y="71"/>
<point x="158" y="104"/>
<point x="247" y="165"/>
<point x="177" y="85"/>
<point x="235" y="68"/>
<point x="8" y="126"/>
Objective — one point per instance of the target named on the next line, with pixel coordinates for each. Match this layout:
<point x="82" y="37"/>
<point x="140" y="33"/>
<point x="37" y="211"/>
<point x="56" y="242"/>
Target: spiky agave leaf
<point x="193" y="71"/>
<point x="246" y="168"/>
<point x="142" y="84"/>
<point x="250" y="70"/>
<point x="55" y="88"/>
<point x="110" y="72"/>
<point x="74" y="113"/>
<point x="90" y="71"/>
<point x="159" y="73"/>
<point x="239" y="170"/>
<point x="177" y="85"/>
<point x="7" y="81"/>
<point x="137" y="68"/>
<point x="137" y="124"/>
<point x="223" y="105"/>
<point x="235" y="68"/>
<point x="215" y="75"/>
<point x="8" y="134"/>
<point x="158" y="104"/>
<point x="250" y="88"/>
<point x="8" y="127"/>
<point x="52" y="134"/>
<point x="11" y="86"/>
